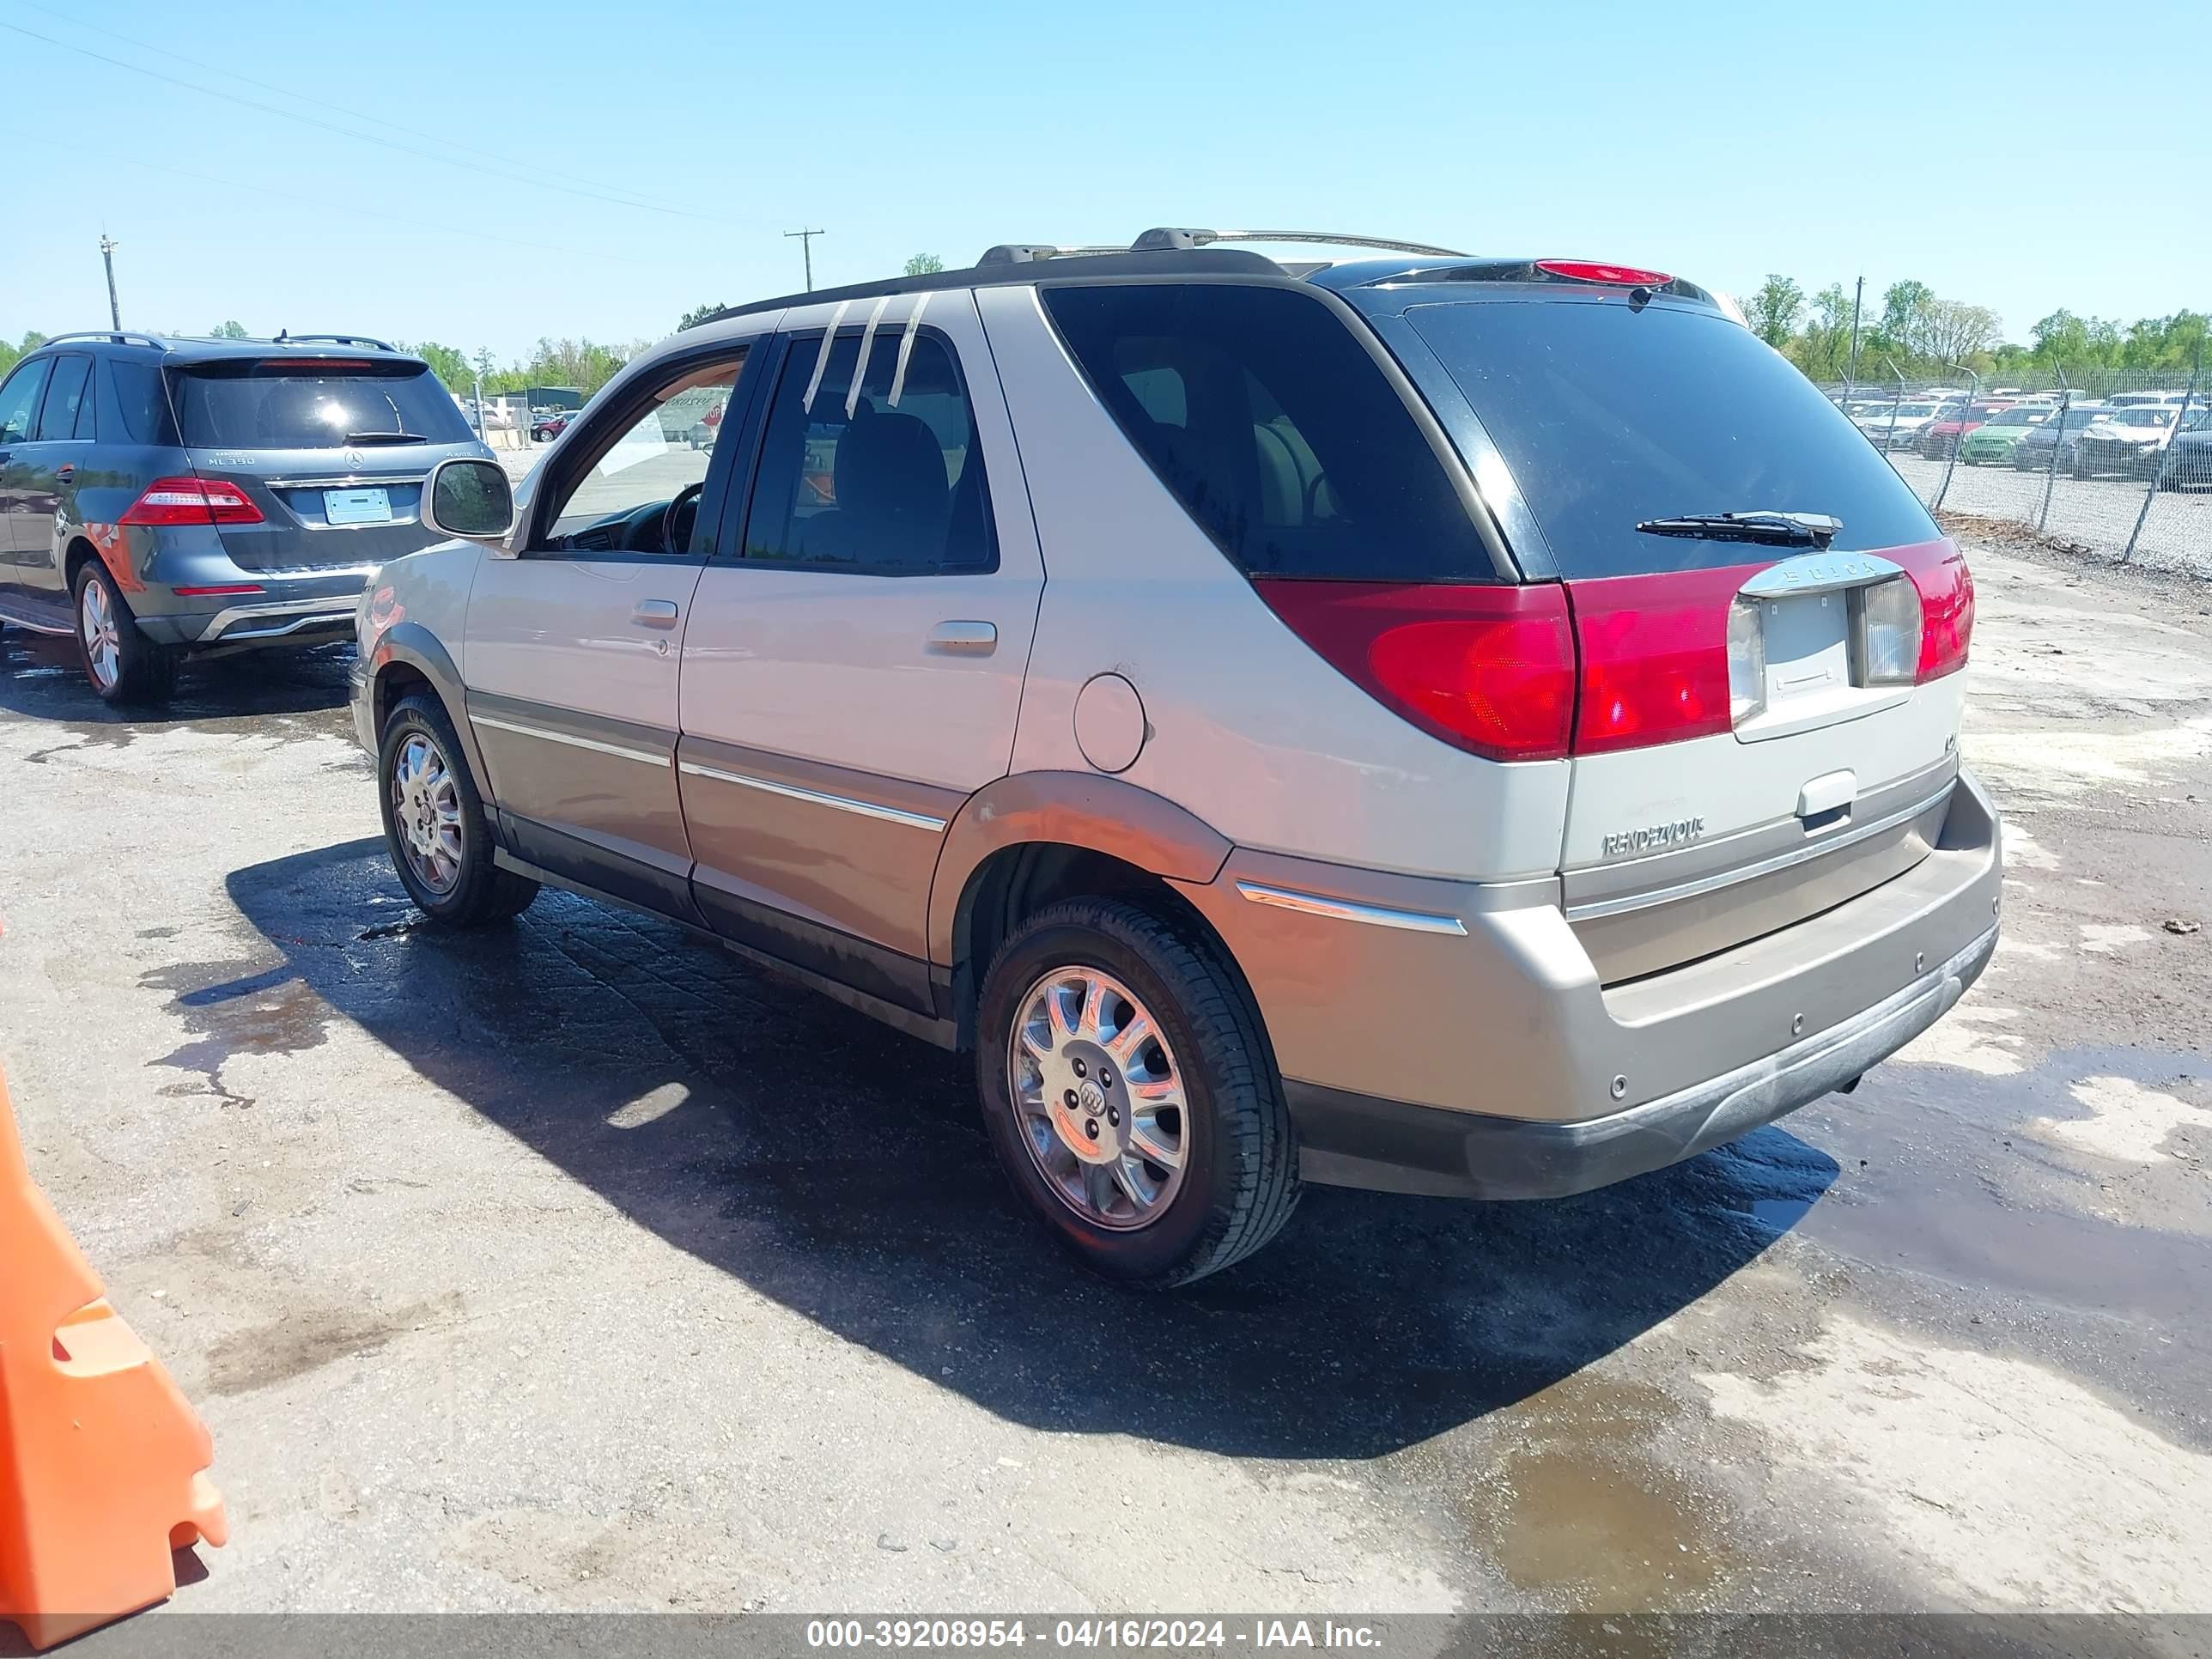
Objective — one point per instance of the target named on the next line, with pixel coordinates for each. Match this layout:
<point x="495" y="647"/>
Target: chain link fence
<point x="2118" y="464"/>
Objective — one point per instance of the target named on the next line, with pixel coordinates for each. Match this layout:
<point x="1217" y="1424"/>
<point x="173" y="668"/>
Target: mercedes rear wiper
<point x="1776" y="529"/>
<point x="385" y="438"/>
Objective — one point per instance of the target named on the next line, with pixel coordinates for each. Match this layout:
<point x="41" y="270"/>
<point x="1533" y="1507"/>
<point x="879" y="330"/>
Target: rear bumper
<point x="1451" y="1037"/>
<point x="1357" y="1140"/>
<point x="300" y="611"/>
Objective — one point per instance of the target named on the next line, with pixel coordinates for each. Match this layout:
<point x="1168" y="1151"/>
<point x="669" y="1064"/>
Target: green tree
<point x="584" y="364"/>
<point x="1774" y="310"/>
<point x="11" y="354"/>
<point x="448" y="363"/>
<point x="697" y="315"/>
<point x="924" y="264"/>
<point x="1823" y="348"/>
<point x="1900" y="309"/>
<point x="233" y="330"/>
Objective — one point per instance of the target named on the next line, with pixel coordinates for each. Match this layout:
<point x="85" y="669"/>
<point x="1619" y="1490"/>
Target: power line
<point x="387" y="218"/>
<point x="287" y="92"/>
<point x="347" y="132"/>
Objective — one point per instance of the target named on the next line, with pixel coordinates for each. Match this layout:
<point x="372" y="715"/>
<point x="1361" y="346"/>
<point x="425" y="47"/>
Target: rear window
<point x="1610" y="416"/>
<point x="1267" y="418"/>
<point x="254" y="403"/>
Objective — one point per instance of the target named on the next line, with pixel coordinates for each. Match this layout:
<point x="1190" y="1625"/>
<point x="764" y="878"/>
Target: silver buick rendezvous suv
<point x="1448" y="725"/>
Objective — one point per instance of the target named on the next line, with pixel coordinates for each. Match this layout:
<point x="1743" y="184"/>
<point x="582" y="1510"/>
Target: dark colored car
<point x="549" y="424"/>
<point x="2032" y="452"/>
<point x="166" y="497"/>
<point x="2189" y="464"/>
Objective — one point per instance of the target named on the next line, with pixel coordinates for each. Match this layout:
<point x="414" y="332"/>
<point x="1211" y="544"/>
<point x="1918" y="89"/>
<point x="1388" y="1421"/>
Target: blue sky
<point x="607" y="168"/>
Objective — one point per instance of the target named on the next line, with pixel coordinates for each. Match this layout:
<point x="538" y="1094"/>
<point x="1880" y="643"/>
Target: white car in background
<point x="1899" y="426"/>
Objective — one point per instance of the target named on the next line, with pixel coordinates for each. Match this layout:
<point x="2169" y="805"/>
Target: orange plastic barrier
<point x="102" y="1461"/>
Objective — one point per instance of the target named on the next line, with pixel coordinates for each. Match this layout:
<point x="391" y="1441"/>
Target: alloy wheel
<point x="1098" y="1097"/>
<point x="426" y="812"/>
<point x="103" y="642"/>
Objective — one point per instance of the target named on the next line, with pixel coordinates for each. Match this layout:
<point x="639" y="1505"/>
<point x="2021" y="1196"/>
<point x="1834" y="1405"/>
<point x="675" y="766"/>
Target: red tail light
<point x="1946" y="586"/>
<point x="1655" y="662"/>
<point x="1490" y="670"/>
<point x="190" y="501"/>
<point x="1592" y="271"/>
<point x="1539" y="671"/>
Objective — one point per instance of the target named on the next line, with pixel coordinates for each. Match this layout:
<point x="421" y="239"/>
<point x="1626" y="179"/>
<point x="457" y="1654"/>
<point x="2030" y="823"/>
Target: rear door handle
<point x="65" y="471"/>
<point x="977" y="639"/>
<point x="654" y="613"/>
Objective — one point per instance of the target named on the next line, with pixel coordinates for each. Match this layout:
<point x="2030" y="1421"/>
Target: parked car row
<point x="2123" y="435"/>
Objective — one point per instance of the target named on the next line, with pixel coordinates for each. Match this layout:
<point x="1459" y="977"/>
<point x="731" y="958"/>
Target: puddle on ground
<point x="278" y="692"/>
<point x="1945" y="1172"/>
<point x="237" y="1010"/>
<point x="1581" y="1512"/>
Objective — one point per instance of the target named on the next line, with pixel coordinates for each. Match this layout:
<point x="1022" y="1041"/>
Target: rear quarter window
<point x="1609" y="415"/>
<point x="136" y="409"/>
<point x="1268" y="419"/>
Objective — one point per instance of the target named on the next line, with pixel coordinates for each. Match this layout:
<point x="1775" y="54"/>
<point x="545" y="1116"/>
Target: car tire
<point x="442" y="850"/>
<point x="1235" y="1182"/>
<point x="122" y="665"/>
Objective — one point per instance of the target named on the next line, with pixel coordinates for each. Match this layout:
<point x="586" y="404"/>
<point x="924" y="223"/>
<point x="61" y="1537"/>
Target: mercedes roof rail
<point x="285" y="337"/>
<point x="115" y="336"/>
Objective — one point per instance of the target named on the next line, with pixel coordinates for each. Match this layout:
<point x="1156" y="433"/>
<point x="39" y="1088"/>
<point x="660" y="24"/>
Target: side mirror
<point x="471" y="499"/>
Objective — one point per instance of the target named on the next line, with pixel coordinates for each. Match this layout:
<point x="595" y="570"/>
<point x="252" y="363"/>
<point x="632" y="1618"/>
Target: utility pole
<point x="806" y="243"/>
<point x="108" y="247"/>
<point x="1857" y="299"/>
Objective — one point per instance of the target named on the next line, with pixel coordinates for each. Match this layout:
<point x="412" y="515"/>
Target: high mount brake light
<point x="191" y="502"/>
<point x="1591" y="270"/>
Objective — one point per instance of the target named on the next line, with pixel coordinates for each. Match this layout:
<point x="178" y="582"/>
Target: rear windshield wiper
<point x="1776" y="529"/>
<point x="385" y="438"/>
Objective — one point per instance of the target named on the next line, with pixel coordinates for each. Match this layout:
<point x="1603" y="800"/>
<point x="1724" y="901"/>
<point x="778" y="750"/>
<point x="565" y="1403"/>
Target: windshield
<point x="2020" y="416"/>
<point x="1610" y="418"/>
<point x="2141" y="418"/>
<point x="302" y="403"/>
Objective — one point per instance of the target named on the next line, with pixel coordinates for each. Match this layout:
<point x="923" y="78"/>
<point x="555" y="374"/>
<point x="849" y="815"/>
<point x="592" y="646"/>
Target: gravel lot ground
<point x="581" y="1265"/>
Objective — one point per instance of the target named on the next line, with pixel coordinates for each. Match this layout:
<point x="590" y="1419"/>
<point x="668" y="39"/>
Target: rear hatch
<point x="331" y="451"/>
<point x="1767" y="712"/>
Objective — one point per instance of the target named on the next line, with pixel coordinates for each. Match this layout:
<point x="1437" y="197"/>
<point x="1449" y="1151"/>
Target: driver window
<point x="618" y="504"/>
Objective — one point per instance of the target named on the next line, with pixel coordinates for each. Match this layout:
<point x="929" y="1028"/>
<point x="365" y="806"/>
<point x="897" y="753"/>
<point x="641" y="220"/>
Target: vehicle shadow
<point x="840" y="1168"/>
<point x="41" y="678"/>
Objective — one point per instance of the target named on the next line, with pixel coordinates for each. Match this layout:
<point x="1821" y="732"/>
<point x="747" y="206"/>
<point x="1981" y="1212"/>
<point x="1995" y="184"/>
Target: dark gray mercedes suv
<point x="160" y="498"/>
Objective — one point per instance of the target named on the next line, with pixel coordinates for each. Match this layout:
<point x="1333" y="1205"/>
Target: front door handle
<point x="654" y="613"/>
<point x="977" y="639"/>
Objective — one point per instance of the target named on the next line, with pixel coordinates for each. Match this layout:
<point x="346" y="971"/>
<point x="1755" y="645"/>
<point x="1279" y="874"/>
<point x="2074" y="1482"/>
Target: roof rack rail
<point x="1169" y="240"/>
<point x="1163" y="237"/>
<point x="120" y="336"/>
<point x="285" y="337"/>
<point x="1025" y="253"/>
